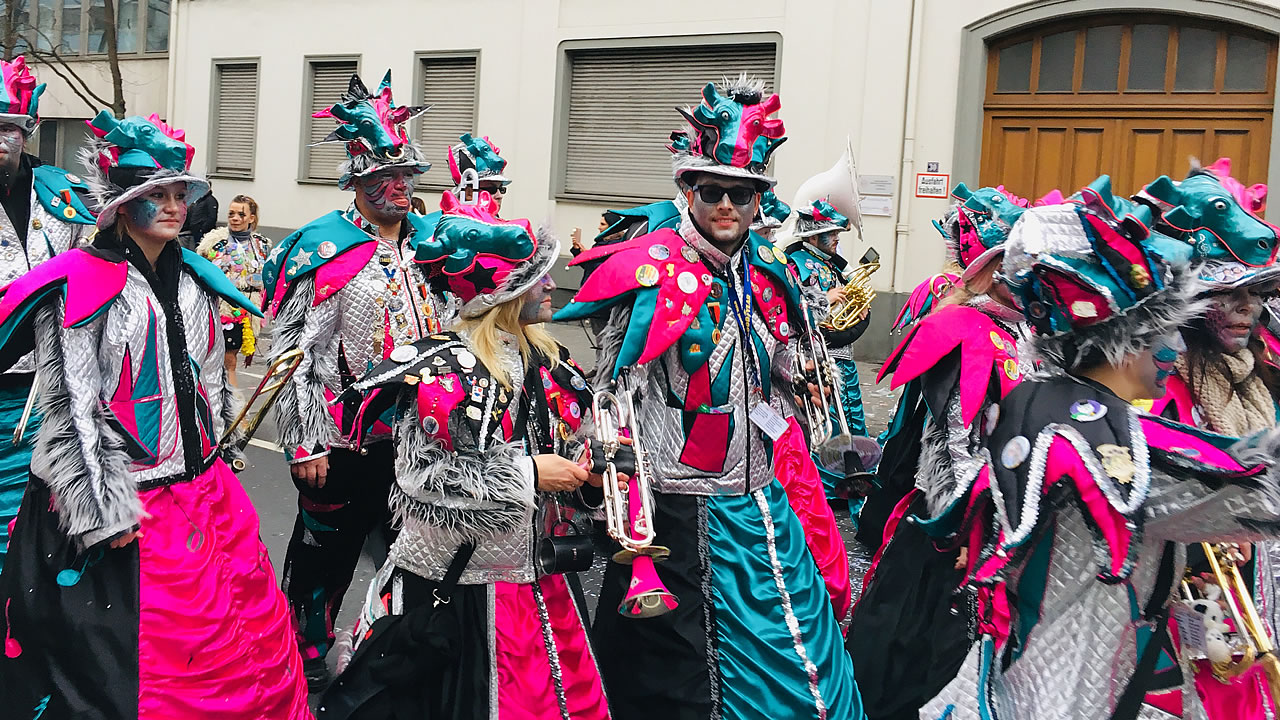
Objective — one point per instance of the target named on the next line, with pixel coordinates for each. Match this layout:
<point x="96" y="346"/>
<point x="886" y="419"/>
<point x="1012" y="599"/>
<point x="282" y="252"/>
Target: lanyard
<point x="742" y="316"/>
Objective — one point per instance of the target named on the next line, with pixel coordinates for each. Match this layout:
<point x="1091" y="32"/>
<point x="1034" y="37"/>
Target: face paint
<point x="157" y="217"/>
<point x="828" y="242"/>
<point x="143" y="213"/>
<point x="1165" y="353"/>
<point x="1231" y="319"/>
<point x="386" y="195"/>
<point x="537" y="302"/>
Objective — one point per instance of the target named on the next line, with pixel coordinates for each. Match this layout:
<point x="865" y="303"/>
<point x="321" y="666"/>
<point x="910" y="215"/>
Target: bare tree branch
<point x="113" y="57"/>
<point x="78" y="85"/>
<point x="55" y="61"/>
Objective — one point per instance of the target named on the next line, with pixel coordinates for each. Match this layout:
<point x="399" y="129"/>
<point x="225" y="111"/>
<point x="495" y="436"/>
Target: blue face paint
<point x="143" y="212"/>
<point x="1165" y="354"/>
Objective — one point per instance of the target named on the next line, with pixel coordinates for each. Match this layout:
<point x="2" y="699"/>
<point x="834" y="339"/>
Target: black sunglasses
<point x="494" y="189"/>
<point x="711" y="194"/>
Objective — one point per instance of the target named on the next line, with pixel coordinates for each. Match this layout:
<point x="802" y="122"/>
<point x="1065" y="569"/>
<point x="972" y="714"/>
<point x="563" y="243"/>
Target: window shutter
<point x="235" y="119"/>
<point x="622" y="110"/>
<point x="329" y="80"/>
<point x="449" y="87"/>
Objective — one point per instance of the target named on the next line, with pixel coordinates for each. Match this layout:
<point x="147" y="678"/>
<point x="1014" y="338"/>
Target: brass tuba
<point x="628" y="506"/>
<point x="839" y="186"/>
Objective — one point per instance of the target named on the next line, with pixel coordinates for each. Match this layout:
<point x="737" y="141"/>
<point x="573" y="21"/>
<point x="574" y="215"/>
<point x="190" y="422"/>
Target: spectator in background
<point x="239" y="251"/>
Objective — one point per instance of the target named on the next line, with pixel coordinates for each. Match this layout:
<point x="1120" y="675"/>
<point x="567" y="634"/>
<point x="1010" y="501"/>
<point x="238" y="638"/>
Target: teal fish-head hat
<point x="479" y="154"/>
<point x="19" y="95"/>
<point x="731" y="133"/>
<point x="820" y="218"/>
<point x="126" y="158"/>
<point x="372" y="127"/>
<point x="1095" y="281"/>
<point x="772" y="213"/>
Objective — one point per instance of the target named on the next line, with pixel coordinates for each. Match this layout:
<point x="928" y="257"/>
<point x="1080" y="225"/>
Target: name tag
<point x="768" y="420"/>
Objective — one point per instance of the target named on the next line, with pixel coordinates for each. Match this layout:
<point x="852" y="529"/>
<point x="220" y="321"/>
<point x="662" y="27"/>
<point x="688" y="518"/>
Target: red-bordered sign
<point x="933" y="185"/>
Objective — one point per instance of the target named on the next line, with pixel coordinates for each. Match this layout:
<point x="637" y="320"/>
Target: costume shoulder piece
<point x="961" y="340"/>
<point x="637" y="221"/>
<point x="459" y="401"/>
<point x="811" y="267"/>
<point x="91" y="280"/>
<point x="331" y="243"/>
<point x="568" y="393"/>
<point x="924" y="298"/>
<point x="62" y="194"/>
<point x="668" y="287"/>
<point x="216" y="282"/>
<point x="1105" y="460"/>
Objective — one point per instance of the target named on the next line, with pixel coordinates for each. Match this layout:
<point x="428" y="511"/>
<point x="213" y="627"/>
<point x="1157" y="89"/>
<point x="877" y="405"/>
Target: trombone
<point x="813" y="351"/>
<point x="1249" y="624"/>
<point x="241" y="430"/>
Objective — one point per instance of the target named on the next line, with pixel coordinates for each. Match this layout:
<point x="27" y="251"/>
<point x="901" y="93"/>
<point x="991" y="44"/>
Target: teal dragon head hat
<point x="479" y="154"/>
<point x="373" y="128"/>
<point x="730" y="133"/>
<point x="19" y="95"/>
<point x="126" y="159"/>
<point x="820" y="217"/>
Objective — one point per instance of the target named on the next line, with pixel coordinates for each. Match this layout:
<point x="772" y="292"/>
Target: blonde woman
<point x="239" y="251"/>
<point x="460" y="620"/>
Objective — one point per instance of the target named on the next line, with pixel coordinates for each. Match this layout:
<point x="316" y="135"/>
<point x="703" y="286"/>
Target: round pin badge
<point x="766" y="255"/>
<point x="993" y="416"/>
<point x="716" y="290"/>
<point x="658" y="251"/>
<point x="466" y="359"/>
<point x="995" y="340"/>
<point x="647" y="275"/>
<point x="574" y="410"/>
<point x="689" y="254"/>
<point x="1087" y="410"/>
<point x="686" y="282"/>
<point x="403" y="354"/>
<point x="1011" y="368"/>
<point x="1015" y="452"/>
<point x="780" y="256"/>
<point x="431" y="425"/>
<point x="784" y="329"/>
<point x="36" y="224"/>
<point x="73" y="179"/>
<point x="327" y="249"/>
<point x="578" y="383"/>
<point x="767" y="294"/>
<point x="68" y="212"/>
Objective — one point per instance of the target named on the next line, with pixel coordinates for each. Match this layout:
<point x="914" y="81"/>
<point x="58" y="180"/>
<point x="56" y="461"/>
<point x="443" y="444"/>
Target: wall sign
<point x="933" y="185"/>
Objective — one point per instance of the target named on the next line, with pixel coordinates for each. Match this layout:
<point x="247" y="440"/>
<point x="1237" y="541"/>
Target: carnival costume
<point x="1237" y="250"/>
<point x="466" y="434"/>
<point x="345" y="297"/>
<point x="473" y="159"/>
<point x="240" y="257"/>
<point x="704" y="339"/>
<point x="185" y="620"/>
<point x="911" y="626"/>
<point x="1082" y="498"/>
<point x="44" y="214"/>
<point x="823" y="272"/>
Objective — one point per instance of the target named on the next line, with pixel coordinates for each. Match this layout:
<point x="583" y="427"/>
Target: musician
<point x="489" y="431"/>
<point x="1083" y="498"/>
<point x="44" y="214"/>
<point x="139" y="586"/>
<point x="910" y="629"/>
<point x="343" y="291"/>
<point x="701" y="323"/>
<point x="1226" y="382"/>
<point x="816" y="257"/>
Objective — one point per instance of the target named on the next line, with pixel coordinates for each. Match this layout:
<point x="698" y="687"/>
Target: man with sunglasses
<point x="701" y="319"/>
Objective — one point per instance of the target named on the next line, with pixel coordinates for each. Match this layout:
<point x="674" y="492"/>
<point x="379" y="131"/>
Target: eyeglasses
<point x="711" y="194"/>
<point x="494" y="189"/>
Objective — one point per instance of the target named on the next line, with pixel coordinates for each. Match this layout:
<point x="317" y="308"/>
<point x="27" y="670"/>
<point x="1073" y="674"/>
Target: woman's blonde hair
<point x="486" y="340"/>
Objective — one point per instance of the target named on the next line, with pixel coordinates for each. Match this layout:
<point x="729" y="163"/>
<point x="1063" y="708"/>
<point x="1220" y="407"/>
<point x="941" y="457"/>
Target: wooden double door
<point x="1134" y="98"/>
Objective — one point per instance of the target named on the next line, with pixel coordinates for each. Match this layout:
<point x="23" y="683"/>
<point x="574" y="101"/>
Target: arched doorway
<point x="1131" y="95"/>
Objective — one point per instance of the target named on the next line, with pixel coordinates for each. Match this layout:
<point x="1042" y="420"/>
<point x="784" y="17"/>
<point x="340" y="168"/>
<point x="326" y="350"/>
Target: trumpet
<point x="856" y="296"/>
<point x="246" y="423"/>
<point x="1222" y="562"/>
<point x="629" y="510"/>
<point x="823" y="432"/>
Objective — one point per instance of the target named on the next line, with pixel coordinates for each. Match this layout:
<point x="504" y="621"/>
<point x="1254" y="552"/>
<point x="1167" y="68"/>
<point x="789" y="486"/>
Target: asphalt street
<point x="266" y="478"/>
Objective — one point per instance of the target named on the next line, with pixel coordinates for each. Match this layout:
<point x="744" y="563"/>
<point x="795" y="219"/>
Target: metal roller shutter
<point x="449" y="87"/>
<point x="622" y="110"/>
<point x="329" y="80"/>
<point x="235" y="119"/>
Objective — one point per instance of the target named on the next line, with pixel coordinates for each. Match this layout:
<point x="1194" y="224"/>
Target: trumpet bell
<point x="627" y="556"/>
<point x="647" y="597"/>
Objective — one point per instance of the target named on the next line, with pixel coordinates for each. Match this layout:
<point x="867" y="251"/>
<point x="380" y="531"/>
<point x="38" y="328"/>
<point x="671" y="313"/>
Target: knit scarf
<point x="1231" y="405"/>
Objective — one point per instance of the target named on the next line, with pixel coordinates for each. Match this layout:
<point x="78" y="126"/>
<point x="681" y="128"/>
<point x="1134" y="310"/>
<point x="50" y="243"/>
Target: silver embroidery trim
<point x="704" y="565"/>
<point x="797" y="638"/>
<point x="1036" y="475"/>
<point x="491" y="602"/>
<point x="553" y="655"/>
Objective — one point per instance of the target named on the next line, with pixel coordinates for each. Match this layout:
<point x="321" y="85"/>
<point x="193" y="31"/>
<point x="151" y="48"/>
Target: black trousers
<point x="332" y="524"/>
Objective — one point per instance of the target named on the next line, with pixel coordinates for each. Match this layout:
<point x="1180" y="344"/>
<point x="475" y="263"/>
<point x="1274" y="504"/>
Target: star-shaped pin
<point x="275" y="253"/>
<point x="482" y="278"/>
<point x="300" y="260"/>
